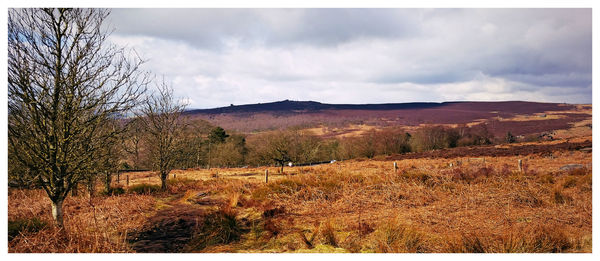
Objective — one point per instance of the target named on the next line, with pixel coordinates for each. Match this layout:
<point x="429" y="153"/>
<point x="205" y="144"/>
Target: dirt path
<point x="172" y="227"/>
<point x="169" y="230"/>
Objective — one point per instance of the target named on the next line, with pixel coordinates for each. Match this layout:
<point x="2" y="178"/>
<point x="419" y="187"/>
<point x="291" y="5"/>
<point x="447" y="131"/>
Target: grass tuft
<point x="219" y="228"/>
<point x="328" y="233"/>
<point x="24" y="225"/>
<point x="395" y="237"/>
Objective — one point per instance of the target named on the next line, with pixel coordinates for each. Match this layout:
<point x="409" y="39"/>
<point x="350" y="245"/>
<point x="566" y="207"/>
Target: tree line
<point x="202" y="145"/>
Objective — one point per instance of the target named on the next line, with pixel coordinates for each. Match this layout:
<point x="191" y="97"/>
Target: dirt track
<point x="169" y="230"/>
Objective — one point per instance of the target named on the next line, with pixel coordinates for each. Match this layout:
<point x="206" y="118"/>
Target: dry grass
<point x="97" y="225"/>
<point x="353" y="206"/>
<point x="493" y="201"/>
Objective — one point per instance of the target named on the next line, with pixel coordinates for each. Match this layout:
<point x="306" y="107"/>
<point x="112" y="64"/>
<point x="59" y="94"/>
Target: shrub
<point x="144" y="189"/>
<point x="113" y="191"/>
<point x="18" y="226"/>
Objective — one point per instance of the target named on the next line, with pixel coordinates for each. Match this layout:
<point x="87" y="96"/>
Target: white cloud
<point x="250" y="56"/>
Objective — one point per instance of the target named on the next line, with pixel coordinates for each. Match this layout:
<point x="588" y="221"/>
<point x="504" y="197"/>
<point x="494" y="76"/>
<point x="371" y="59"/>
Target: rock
<point x="588" y="149"/>
<point x="571" y="167"/>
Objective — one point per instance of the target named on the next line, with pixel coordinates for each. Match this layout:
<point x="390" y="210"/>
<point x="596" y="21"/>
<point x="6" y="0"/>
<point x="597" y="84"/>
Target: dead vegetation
<point x="355" y="206"/>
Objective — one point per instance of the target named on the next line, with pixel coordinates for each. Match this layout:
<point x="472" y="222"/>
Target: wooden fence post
<point x="520" y="165"/>
<point x="127" y="180"/>
<point x="118" y="177"/>
<point x="395" y="167"/>
<point x="266" y="176"/>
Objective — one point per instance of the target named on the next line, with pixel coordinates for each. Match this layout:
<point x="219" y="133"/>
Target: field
<point x="454" y="200"/>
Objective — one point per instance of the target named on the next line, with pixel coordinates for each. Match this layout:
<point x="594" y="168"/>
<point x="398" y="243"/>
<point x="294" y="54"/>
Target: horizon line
<point x="424" y="102"/>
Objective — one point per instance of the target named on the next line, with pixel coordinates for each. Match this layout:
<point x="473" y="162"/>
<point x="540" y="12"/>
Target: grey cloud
<point x="425" y="77"/>
<point x="212" y="28"/>
<point x="365" y="55"/>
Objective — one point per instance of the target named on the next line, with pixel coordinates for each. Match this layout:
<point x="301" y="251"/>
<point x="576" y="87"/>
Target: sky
<point x="218" y="57"/>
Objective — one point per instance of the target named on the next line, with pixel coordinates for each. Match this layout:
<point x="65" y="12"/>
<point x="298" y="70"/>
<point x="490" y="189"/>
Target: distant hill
<point x="284" y="114"/>
<point x="287" y="106"/>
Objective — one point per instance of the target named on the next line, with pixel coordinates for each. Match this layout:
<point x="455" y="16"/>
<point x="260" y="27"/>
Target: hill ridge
<point x="292" y="106"/>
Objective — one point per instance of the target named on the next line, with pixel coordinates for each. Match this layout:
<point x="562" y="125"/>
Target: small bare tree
<point x="134" y="142"/>
<point x="64" y="83"/>
<point x="161" y="116"/>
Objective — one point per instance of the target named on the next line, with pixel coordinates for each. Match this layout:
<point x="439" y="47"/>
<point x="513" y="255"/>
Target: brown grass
<point x="353" y="206"/>
<point x="97" y="225"/>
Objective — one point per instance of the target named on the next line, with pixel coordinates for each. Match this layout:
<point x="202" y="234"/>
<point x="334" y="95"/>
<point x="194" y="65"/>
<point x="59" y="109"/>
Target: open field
<point x="462" y="203"/>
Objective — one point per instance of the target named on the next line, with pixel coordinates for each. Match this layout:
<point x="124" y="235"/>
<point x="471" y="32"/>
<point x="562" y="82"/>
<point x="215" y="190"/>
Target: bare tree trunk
<point x="57" y="212"/>
<point x="74" y="190"/>
<point x="163" y="180"/>
<point x="107" y="181"/>
<point x="91" y="185"/>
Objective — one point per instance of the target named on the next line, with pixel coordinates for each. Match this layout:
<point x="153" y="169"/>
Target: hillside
<point x="295" y="107"/>
<point x="519" y="117"/>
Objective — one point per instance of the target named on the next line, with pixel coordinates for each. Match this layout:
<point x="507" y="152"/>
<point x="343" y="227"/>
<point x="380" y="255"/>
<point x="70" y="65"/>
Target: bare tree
<point x="161" y="116"/>
<point x="111" y="155"/>
<point x="133" y="143"/>
<point x="65" y="82"/>
<point x="279" y="146"/>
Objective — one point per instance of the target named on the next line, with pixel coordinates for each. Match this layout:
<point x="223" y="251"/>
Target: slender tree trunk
<point x="163" y="180"/>
<point x="74" y="190"/>
<point x="91" y="185"/>
<point x="57" y="212"/>
<point x="107" y="181"/>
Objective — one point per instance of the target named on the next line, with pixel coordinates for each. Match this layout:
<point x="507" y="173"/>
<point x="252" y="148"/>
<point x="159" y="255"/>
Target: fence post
<point x="395" y="167"/>
<point x="127" y="180"/>
<point x="174" y="175"/>
<point x="266" y="176"/>
<point x="520" y="165"/>
<point x="118" y="177"/>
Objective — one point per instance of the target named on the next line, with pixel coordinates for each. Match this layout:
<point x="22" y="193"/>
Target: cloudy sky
<point x="217" y="57"/>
